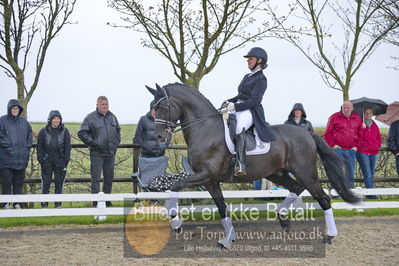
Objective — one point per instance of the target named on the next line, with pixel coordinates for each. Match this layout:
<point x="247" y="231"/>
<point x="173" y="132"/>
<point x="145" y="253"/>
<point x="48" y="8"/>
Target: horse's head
<point x="167" y="113"/>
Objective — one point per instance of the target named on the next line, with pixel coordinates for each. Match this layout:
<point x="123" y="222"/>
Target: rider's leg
<point x="244" y="121"/>
<point x="240" y="168"/>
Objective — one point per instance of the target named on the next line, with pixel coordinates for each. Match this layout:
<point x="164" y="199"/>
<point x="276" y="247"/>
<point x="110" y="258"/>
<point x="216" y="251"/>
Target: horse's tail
<point x="335" y="169"/>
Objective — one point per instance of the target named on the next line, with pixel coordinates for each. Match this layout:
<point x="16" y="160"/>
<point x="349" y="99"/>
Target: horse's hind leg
<point x="315" y="189"/>
<point x="229" y="233"/>
<point x="285" y="180"/>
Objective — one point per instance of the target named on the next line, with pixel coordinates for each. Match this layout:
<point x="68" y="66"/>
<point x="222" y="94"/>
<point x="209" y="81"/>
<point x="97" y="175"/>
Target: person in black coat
<point x="393" y="142"/>
<point x="145" y="136"/>
<point x="248" y="108"/>
<point x="15" y="145"/>
<point x="53" y="153"/>
<point x="100" y="130"/>
<point x="297" y="117"/>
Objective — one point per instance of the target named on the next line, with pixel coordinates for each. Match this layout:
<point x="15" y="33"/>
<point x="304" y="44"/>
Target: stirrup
<point x="240" y="170"/>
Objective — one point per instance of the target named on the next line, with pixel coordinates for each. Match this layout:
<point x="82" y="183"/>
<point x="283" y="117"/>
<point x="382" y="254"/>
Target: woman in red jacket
<point x="367" y="151"/>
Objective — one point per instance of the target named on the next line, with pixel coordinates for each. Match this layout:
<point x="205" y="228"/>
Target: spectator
<point x="145" y="136"/>
<point x="343" y="134"/>
<point x="297" y="117"/>
<point x="53" y="153"/>
<point x="263" y="184"/>
<point x="15" y="144"/>
<point x="393" y="142"/>
<point x="368" y="147"/>
<point x="101" y="132"/>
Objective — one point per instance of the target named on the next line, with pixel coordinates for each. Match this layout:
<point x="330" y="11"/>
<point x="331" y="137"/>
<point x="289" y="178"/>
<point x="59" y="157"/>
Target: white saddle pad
<point x="261" y="147"/>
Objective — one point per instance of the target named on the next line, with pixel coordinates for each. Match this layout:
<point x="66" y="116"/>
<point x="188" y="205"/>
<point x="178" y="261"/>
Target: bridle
<point x="171" y="126"/>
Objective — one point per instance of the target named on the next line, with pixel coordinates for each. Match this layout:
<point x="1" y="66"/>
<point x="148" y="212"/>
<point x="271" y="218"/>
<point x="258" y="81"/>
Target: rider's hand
<point x="230" y="107"/>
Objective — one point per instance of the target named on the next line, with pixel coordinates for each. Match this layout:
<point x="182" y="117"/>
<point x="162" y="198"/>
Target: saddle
<point x="249" y="134"/>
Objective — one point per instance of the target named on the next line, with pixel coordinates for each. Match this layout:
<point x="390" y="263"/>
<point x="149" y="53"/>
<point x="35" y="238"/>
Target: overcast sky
<point x="89" y="59"/>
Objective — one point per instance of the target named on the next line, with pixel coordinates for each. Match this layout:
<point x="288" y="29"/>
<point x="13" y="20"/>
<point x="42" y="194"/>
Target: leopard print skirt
<point x="164" y="182"/>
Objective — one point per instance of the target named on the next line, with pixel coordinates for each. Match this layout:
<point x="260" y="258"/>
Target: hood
<point x="150" y="116"/>
<point x="53" y="114"/>
<point x="297" y="106"/>
<point x="12" y="103"/>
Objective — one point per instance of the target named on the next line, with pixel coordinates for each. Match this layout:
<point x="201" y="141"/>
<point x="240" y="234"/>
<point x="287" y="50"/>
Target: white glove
<point x="230" y="107"/>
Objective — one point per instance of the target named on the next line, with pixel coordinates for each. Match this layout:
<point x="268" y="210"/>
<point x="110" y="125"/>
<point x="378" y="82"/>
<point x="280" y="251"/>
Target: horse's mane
<point x="188" y="88"/>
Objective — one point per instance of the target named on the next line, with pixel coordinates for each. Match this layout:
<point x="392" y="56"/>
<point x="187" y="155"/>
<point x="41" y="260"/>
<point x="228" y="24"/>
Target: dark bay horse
<point x="295" y="151"/>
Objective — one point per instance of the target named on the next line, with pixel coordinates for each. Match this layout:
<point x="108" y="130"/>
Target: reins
<point x="171" y="127"/>
<point x="191" y="123"/>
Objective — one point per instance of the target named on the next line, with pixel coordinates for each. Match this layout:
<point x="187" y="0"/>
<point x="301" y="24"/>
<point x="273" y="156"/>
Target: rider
<point x="247" y="106"/>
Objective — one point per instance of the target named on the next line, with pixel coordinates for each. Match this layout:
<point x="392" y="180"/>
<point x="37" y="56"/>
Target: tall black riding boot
<point x="240" y="168"/>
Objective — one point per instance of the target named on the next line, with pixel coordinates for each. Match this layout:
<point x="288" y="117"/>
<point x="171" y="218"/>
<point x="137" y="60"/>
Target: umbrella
<point x="391" y="116"/>
<point x="378" y="106"/>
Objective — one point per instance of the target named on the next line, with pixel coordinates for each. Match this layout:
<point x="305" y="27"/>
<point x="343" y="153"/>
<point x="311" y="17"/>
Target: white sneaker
<point x="17" y="206"/>
<point x="7" y="206"/>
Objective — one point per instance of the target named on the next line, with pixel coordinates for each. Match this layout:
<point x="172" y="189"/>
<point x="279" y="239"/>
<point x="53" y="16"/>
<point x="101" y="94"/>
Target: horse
<point x="290" y="162"/>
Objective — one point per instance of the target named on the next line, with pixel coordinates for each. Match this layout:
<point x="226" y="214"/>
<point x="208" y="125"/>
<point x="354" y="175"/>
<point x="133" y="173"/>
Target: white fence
<point x="101" y="211"/>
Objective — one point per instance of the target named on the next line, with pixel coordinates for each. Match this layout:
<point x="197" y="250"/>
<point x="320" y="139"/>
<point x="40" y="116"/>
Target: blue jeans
<point x="367" y="165"/>
<point x="349" y="157"/>
<point x="258" y="184"/>
<point x="397" y="164"/>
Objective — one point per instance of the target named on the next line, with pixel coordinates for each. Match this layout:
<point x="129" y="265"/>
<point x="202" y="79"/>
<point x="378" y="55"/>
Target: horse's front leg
<point x="171" y="205"/>
<point x="195" y="180"/>
<point x="229" y="233"/>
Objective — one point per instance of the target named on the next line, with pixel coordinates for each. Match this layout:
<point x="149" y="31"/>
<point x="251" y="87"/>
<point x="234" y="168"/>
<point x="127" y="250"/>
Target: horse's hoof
<point x="176" y="224"/>
<point x="220" y="246"/>
<point x="327" y="239"/>
<point x="225" y="243"/>
<point x="284" y="222"/>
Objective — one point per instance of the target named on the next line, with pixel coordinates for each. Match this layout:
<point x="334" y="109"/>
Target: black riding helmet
<point x="258" y="53"/>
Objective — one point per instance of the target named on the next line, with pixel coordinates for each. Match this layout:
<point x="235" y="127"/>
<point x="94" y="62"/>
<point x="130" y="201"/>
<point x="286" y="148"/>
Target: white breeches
<point x="244" y="120"/>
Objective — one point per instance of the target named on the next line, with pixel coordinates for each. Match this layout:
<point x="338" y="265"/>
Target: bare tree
<point x="316" y="39"/>
<point x="193" y="35"/>
<point x="390" y="15"/>
<point x="26" y="31"/>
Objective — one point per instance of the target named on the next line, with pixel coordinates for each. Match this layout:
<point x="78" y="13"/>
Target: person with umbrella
<point x="367" y="149"/>
<point x="378" y="106"/>
<point x="343" y="133"/>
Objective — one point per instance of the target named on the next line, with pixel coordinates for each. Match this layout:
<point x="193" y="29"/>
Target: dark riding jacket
<point x="101" y="133"/>
<point x="145" y="137"/>
<point x="54" y="144"/>
<point x="393" y="137"/>
<point x="15" y="139"/>
<point x="250" y="94"/>
<point x="303" y="122"/>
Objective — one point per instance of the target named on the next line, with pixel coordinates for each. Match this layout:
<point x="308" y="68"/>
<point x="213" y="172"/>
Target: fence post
<point x="136" y="154"/>
<point x="101" y="205"/>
